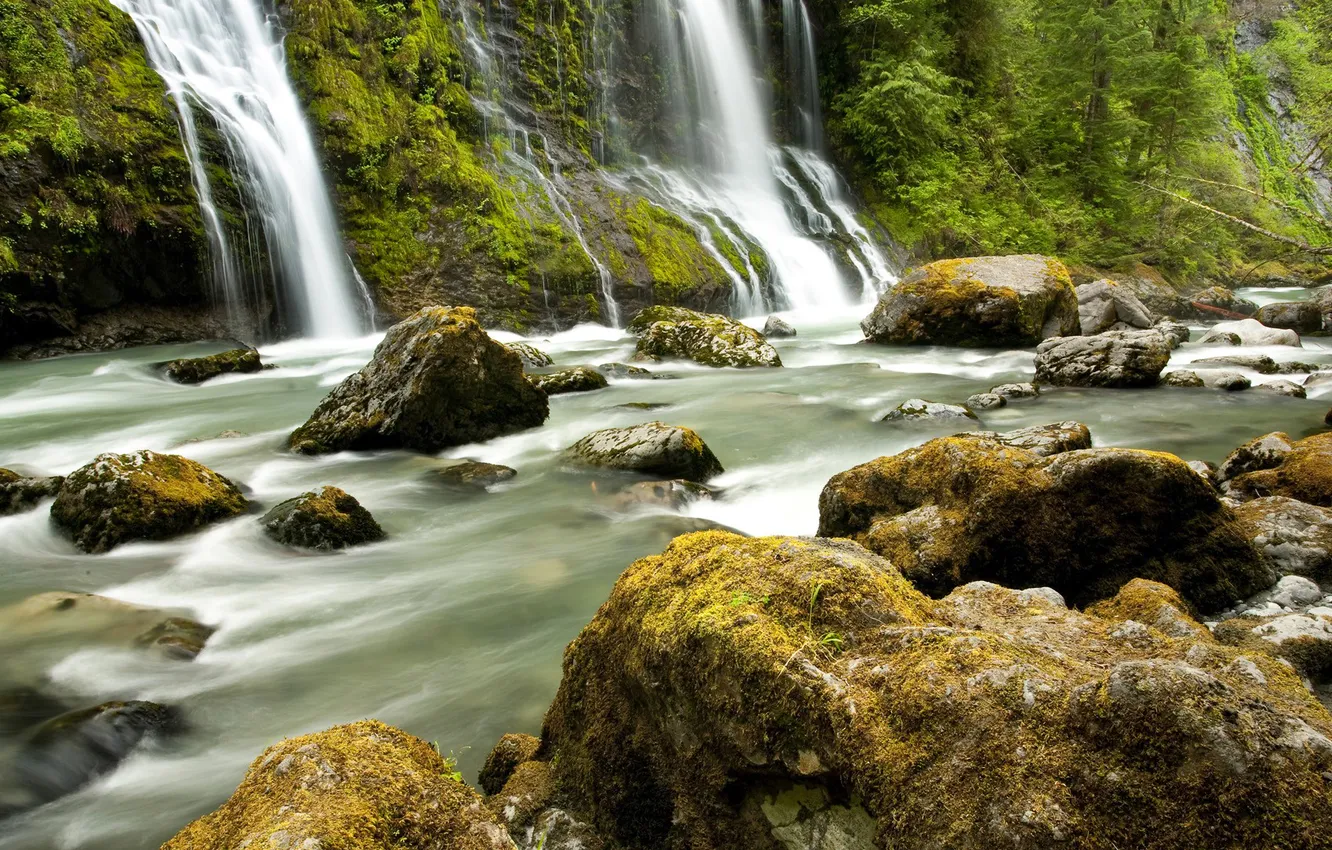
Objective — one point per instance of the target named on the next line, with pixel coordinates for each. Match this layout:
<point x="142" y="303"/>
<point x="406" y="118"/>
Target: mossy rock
<point x="436" y="380"/>
<point x="1296" y="537"/>
<point x="19" y="493"/>
<point x="1265" y="452"/>
<point x="1305" y="474"/>
<point x="1111" y="359"/>
<point x="196" y="370"/>
<point x="141" y="496"/>
<point x="653" y="448"/>
<point x="530" y="354"/>
<point x="1045" y="440"/>
<point x="580" y="379"/>
<point x="474" y="475"/>
<point x="1303" y="639"/>
<point x="329" y="519"/>
<point x="979" y="301"/>
<point x="1085" y="522"/>
<point x="511" y="751"/>
<point x="918" y="411"/>
<point x="363" y="786"/>
<point x="728" y="668"/>
<point x="705" y="338"/>
<point x="1224" y="299"/>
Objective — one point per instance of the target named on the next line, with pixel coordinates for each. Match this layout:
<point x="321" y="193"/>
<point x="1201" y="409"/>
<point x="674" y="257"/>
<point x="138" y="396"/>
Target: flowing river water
<point x="453" y="627"/>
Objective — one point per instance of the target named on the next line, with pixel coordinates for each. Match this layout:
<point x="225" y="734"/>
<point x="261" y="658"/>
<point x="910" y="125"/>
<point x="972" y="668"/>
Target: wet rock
<point x="1102" y="304"/>
<point x="20" y="493"/>
<point x="511" y="751"/>
<point x="1016" y="392"/>
<point x="918" y="410"/>
<point x="363" y="786"/>
<point x="1301" y="316"/>
<point x="1295" y="537"/>
<point x="67" y="752"/>
<point x="1286" y="388"/>
<point x="705" y="338"/>
<point x="1265" y="452"/>
<point x="776" y="326"/>
<point x="1045" y="440"/>
<point x="624" y="370"/>
<point x="980" y="301"/>
<point x="1225" y="299"/>
<point x="1228" y="381"/>
<point x="1181" y="378"/>
<point x="141" y="496"/>
<point x="1253" y="332"/>
<point x="60" y="618"/>
<point x="969" y="507"/>
<point x="1260" y="363"/>
<point x="474" y="474"/>
<point x="530" y="355"/>
<point x="654" y="448"/>
<point x="326" y="520"/>
<point x="1111" y="359"/>
<point x="645" y="405"/>
<point x="24" y="707"/>
<point x="764" y="678"/>
<point x="670" y="495"/>
<point x="1176" y="333"/>
<point x="986" y="401"/>
<point x="1206" y="470"/>
<point x="436" y="380"/>
<point x="1304" y="474"/>
<point x="1305" y="640"/>
<point x="196" y="370"/>
<point x="577" y="380"/>
<point x="1215" y="337"/>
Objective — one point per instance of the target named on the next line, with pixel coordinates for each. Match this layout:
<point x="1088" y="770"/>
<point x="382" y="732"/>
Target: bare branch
<point x="1304" y="247"/>
<point x="1316" y="219"/>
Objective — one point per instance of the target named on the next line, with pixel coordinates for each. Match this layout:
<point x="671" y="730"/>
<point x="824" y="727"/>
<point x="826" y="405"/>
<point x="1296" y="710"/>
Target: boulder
<point x="919" y="411"/>
<point x="326" y="520"/>
<point x="799" y="693"/>
<point x="141" y="496"/>
<point x="624" y="370"/>
<point x="1265" y="452"/>
<point x="1286" y="388"/>
<point x="1158" y="606"/>
<point x="1155" y="292"/>
<point x="1224" y="299"/>
<point x="653" y="448"/>
<point x="530" y="355"/>
<point x="1084" y="522"/>
<point x="511" y="751"/>
<point x="1016" y="392"/>
<point x="1260" y="363"/>
<point x="1253" y="332"/>
<point x="1215" y="337"/>
<point x="1111" y="359"/>
<point x="986" y="401"/>
<point x="580" y="379"/>
<point x="1102" y="304"/>
<point x="436" y="380"/>
<point x="776" y="326"/>
<point x="1181" y="378"/>
<point x="1229" y="381"/>
<point x="1205" y="469"/>
<point x="363" y="786"/>
<point x="705" y="338"/>
<point x="19" y="493"/>
<point x="1300" y="316"/>
<point x="62" y="618"/>
<point x="1176" y="333"/>
<point x="1296" y="538"/>
<point x="979" y="301"/>
<point x="1305" y="474"/>
<point x="1045" y="440"/>
<point x="474" y="474"/>
<point x="196" y="370"/>
<point x="1304" y="640"/>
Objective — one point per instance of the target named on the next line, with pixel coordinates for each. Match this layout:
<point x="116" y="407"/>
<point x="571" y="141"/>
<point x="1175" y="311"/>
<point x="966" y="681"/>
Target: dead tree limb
<point x="1304" y="247"/>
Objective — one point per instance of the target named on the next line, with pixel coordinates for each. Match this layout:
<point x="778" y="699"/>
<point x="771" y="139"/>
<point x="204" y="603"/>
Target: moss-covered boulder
<point x="705" y="338"/>
<point x="980" y="301"/>
<point x="511" y="751"/>
<point x="653" y="448"/>
<point x="19" y="493"/>
<point x="580" y="379"/>
<point x="474" y="475"/>
<point x="1182" y="378"/>
<point x="1111" y="359"/>
<point x="776" y="693"/>
<point x="919" y="411"/>
<point x="1296" y="537"/>
<point x="1265" y="452"/>
<point x="196" y="370"/>
<point x="1084" y="522"/>
<point x="326" y="520"/>
<point x="1301" y="316"/>
<point x="530" y="354"/>
<point x="436" y="380"/>
<point x="141" y="496"/>
<point x="1304" y="639"/>
<point x="363" y="786"/>
<point x="1304" y="473"/>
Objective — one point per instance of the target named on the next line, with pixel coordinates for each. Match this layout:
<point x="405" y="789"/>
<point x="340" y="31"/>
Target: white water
<point x="227" y="57"/>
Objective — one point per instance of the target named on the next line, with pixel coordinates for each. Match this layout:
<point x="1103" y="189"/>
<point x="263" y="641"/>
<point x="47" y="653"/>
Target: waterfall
<point x="226" y="57"/>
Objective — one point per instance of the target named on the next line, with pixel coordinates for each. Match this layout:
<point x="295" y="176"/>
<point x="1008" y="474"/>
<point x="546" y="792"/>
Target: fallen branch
<point x="1304" y="247"/>
<point x="1208" y="308"/>
<point x="1316" y="219"/>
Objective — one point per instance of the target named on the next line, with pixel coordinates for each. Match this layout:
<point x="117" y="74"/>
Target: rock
<point x="777" y="327"/>
<point x="624" y="370"/>
<point x="1305" y="474"/>
<point x="1229" y="381"/>
<point x="327" y="520"/>
<point x="1104" y="303"/>
<point x="1181" y="378"/>
<point x="141" y="496"/>
<point x="1295" y="592"/>
<point x="577" y="380"/>
<point x="511" y="751"/>
<point x="1206" y="470"/>
<point x="1224" y="299"/>
<point x="1253" y="332"/>
<point x="530" y="355"/>
<point x="1016" y="392"/>
<point x="20" y="493"/>
<point x="24" y="707"/>
<point x="705" y="338"/>
<point x="969" y="507"/>
<point x="980" y="301"/>
<point x="986" y="401"/>
<point x="1155" y="292"/>
<point x="1111" y="359"/>
<point x="1215" y="337"/>
<point x="196" y="370"/>
<point x="1295" y="537"/>
<point x="670" y="495"/>
<point x="733" y="691"/>
<point x="645" y="405"/>
<point x="1265" y="452"/>
<point x="1286" y="388"/>
<point x="436" y="380"/>
<point x="61" y="618"/>
<point x="67" y="752"/>
<point x="1045" y="440"/>
<point x="918" y="410"/>
<point x="1301" y="316"/>
<point x="1176" y="333"/>
<point x="363" y="786"/>
<point x="1153" y="604"/>
<point x="654" y="448"/>
<point x="474" y="474"/>
<point x="1260" y="363"/>
<point x="1305" y="640"/>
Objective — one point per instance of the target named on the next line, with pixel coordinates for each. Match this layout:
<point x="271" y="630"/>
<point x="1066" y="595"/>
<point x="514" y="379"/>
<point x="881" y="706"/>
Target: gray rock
<point x="1104" y="303"/>
<point x="1111" y="359"/>
<point x="624" y="370"/>
<point x="654" y="448"/>
<point x="1016" y="392"/>
<point x="474" y="474"/>
<point x="1260" y="363"/>
<point x="1300" y="316"/>
<point x="327" y="520"/>
<point x="1253" y="332"/>
<point x="986" y="401"/>
<point x="1266" y="452"/>
<point x="196" y="370"/>
<point x="1181" y="378"/>
<point x="1296" y="537"/>
<point x="1205" y="469"/>
<point x="1286" y="388"/>
<point x="917" y="410"/>
<point x="777" y="327"/>
<point x="20" y="493"/>
<point x="1176" y="333"/>
<point x="530" y="354"/>
<point x="1224" y="299"/>
<point x="1046" y="440"/>
<point x="580" y="379"/>
<point x="1229" y="381"/>
<point x="1215" y="337"/>
<point x="705" y="338"/>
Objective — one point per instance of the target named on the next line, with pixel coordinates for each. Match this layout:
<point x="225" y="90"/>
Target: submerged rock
<point x="1103" y="304"/>
<point x="141" y="496"/>
<point x="654" y="448"/>
<point x="624" y="370"/>
<point x="747" y="693"/>
<point x="1253" y="332"/>
<point x="918" y="410"/>
<point x="1294" y="536"/>
<point x="363" y="786"/>
<point x="436" y="380"/>
<point x="580" y="379"/>
<point x="196" y="370"/>
<point x="1111" y="359"/>
<point x="530" y="354"/>
<point x="1084" y="522"/>
<point x="1305" y="473"/>
<point x="329" y="519"/>
<point x="980" y="301"/>
<point x="61" y="617"/>
<point x="20" y="493"/>
<point x="474" y="474"/>
<point x="671" y="495"/>
<point x="706" y="338"/>
<point x="1260" y="363"/>
<point x="776" y="326"/>
<point x="1301" y="316"/>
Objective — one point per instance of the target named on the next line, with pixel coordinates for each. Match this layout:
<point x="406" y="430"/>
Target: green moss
<point x="676" y="261"/>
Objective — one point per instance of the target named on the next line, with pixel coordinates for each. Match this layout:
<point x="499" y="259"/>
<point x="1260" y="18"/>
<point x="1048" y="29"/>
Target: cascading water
<point x="226" y="56"/>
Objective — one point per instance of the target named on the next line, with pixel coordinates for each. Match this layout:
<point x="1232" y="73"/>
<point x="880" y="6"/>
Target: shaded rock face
<point x="577" y="380"/>
<point x="729" y="673"/>
<point x="1084" y="522"/>
<point x="1294" y="536"/>
<point x="1111" y="359"/>
<point x="329" y="519"/>
<point x="475" y="475"/>
<point x="1304" y="473"/>
<point x="776" y="326"/>
<point x="1103" y="304"/>
<point x="141" y="496"/>
<point x="1253" y="332"/>
<point x="437" y="380"/>
<point x="196" y="370"/>
<point x="920" y="411"/>
<point x="363" y="786"/>
<point x="1300" y="316"/>
<point x="982" y="301"/>
<point x="705" y="338"/>
<point x="19" y="493"/>
<point x="530" y="354"/>
<point x="654" y="448"/>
